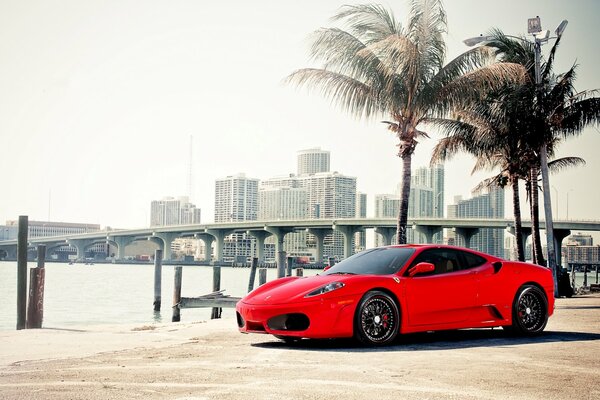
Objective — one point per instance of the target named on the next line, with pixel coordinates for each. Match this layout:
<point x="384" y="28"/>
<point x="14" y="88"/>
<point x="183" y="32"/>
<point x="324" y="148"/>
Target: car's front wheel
<point x="530" y="311"/>
<point x="377" y="319"/>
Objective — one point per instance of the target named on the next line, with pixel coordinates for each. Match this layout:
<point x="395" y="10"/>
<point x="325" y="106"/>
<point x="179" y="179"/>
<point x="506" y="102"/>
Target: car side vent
<point x="497" y="266"/>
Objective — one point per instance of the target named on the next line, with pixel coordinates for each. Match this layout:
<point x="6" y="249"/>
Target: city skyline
<point x="95" y="124"/>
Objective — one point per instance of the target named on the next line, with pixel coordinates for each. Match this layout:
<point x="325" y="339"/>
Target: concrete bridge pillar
<point x="387" y="234"/>
<point x="11" y="252"/>
<point x="208" y="241"/>
<point x="81" y="245"/>
<point x="348" y="232"/>
<point x="559" y="236"/>
<point x="466" y="234"/>
<point x="219" y="235"/>
<point x="428" y="231"/>
<point x="280" y="256"/>
<point x="260" y="243"/>
<point x="121" y="242"/>
<point x="525" y="232"/>
<point x="167" y="239"/>
<point x="319" y="235"/>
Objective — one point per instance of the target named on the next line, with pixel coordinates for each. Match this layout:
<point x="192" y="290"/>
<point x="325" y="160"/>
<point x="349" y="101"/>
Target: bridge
<point x="216" y="233"/>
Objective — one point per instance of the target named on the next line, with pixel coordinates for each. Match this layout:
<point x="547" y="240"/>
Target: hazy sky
<point x="98" y="100"/>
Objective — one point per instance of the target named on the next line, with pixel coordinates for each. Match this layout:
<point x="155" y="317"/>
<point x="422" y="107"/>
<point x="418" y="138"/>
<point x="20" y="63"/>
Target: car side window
<point x="472" y="260"/>
<point x="444" y="260"/>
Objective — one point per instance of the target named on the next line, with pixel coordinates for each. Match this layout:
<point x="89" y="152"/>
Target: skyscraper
<point x="485" y="204"/>
<point x="313" y="161"/>
<point x="236" y="199"/>
<point x="173" y="211"/>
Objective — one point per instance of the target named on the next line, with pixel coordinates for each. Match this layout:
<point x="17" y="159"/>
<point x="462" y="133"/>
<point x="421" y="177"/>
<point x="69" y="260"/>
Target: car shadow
<point x="441" y="340"/>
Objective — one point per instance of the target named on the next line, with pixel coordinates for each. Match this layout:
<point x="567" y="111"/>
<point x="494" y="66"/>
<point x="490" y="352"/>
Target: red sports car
<point x="378" y="293"/>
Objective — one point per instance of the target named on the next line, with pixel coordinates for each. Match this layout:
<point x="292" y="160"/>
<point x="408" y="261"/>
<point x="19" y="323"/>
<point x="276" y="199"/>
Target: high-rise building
<point x="485" y="204"/>
<point x="313" y="161"/>
<point x="426" y="200"/>
<point x="236" y="199"/>
<point x="360" y="238"/>
<point x="173" y="211"/>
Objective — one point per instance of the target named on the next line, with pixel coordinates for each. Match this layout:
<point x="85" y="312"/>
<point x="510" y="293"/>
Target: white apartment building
<point x="173" y="211"/>
<point x="313" y="161"/>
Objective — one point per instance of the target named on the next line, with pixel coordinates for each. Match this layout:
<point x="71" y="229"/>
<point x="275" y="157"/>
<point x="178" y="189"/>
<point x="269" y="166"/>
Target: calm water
<point x="117" y="293"/>
<point x="79" y="294"/>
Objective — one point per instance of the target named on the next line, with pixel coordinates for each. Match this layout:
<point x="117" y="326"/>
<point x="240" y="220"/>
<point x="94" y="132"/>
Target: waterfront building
<point x="581" y="254"/>
<point x="313" y="161"/>
<point x="485" y="204"/>
<point x="173" y="211"/>
<point x="580" y="239"/>
<point x="236" y="199"/>
<point x="386" y="206"/>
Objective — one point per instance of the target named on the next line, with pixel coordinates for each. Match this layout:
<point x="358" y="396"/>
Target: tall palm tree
<point x="376" y="67"/>
<point x="557" y="110"/>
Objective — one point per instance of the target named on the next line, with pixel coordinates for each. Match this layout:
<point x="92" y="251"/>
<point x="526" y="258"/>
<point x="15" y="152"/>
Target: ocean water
<point x="79" y="295"/>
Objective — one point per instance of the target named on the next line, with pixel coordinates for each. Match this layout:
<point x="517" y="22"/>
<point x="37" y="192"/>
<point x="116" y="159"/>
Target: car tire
<point x="530" y="311"/>
<point x="377" y="319"/>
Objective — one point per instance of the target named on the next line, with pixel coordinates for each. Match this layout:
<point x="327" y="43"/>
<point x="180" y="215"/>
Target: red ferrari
<point x="382" y="292"/>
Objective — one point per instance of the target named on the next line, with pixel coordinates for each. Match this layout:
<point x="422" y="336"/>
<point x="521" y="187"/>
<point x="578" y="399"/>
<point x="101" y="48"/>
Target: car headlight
<point x="326" y="289"/>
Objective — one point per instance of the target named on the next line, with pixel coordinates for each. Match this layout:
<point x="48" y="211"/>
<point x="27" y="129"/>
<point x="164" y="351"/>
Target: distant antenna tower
<point x="190" y="169"/>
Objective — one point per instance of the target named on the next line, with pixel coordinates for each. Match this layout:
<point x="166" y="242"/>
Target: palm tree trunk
<point x="514" y="181"/>
<point x="404" y="196"/>
<point x="535" y="218"/>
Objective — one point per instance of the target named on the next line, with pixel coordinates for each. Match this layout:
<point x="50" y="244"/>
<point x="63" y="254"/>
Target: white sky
<point x="98" y="100"/>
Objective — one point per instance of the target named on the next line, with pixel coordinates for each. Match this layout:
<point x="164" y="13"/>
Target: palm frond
<point x="565" y="162"/>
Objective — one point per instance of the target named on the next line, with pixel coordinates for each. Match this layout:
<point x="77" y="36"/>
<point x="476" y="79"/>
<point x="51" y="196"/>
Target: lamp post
<point x="556" y="199"/>
<point x="534" y="27"/>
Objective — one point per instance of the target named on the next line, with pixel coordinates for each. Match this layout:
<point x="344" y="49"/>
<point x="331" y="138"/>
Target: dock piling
<point x="35" y="308"/>
<point x="262" y="276"/>
<point x="177" y="294"/>
<point x="252" y="274"/>
<point x="22" y="271"/>
<point x="216" y="311"/>
<point x="157" y="279"/>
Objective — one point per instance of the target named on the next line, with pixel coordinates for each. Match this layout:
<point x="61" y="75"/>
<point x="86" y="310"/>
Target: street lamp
<point x="556" y="198"/>
<point x="534" y="27"/>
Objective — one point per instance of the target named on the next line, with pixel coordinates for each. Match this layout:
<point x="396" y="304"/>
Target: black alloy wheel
<point x="377" y="319"/>
<point x="530" y="311"/>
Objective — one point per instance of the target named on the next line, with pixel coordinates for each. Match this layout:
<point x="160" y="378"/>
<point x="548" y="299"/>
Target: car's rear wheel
<point x="377" y="319"/>
<point x="530" y="311"/>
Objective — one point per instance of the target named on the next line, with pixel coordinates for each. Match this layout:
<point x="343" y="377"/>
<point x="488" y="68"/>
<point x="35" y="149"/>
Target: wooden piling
<point x="157" y="279"/>
<point x="262" y="276"/>
<point x="289" y="265"/>
<point x="281" y="264"/>
<point x="216" y="311"/>
<point x="299" y="271"/>
<point x="22" y="271"/>
<point x="177" y="294"/>
<point x="252" y="274"/>
<point x="35" y="309"/>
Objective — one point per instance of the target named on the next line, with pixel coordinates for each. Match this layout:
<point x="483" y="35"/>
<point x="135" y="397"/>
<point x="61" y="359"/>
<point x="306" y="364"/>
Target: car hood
<point x="288" y="290"/>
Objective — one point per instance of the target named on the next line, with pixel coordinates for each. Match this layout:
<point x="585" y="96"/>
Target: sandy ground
<point x="211" y="360"/>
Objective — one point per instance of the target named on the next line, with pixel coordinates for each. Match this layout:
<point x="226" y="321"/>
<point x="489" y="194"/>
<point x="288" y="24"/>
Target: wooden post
<point x="22" y="271"/>
<point x="281" y="264"/>
<point x="252" y="274"/>
<point x="177" y="294"/>
<point x="216" y="311"/>
<point x="585" y="272"/>
<point x="262" y="276"/>
<point x="35" y="309"/>
<point x="290" y="264"/>
<point x="299" y="271"/>
<point x="157" y="279"/>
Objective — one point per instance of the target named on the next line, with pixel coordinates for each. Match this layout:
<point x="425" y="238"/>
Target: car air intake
<point x="289" y="322"/>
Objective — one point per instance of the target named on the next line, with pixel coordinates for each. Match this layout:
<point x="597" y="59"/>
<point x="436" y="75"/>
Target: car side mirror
<point x="421" y="268"/>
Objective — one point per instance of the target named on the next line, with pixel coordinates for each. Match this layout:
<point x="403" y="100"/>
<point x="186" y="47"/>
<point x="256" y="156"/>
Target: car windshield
<point x="379" y="261"/>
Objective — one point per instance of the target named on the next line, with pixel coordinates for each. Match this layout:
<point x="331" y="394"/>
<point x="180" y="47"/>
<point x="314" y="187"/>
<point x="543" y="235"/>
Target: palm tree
<point x="485" y="130"/>
<point x="556" y="110"/>
<point x="377" y="67"/>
